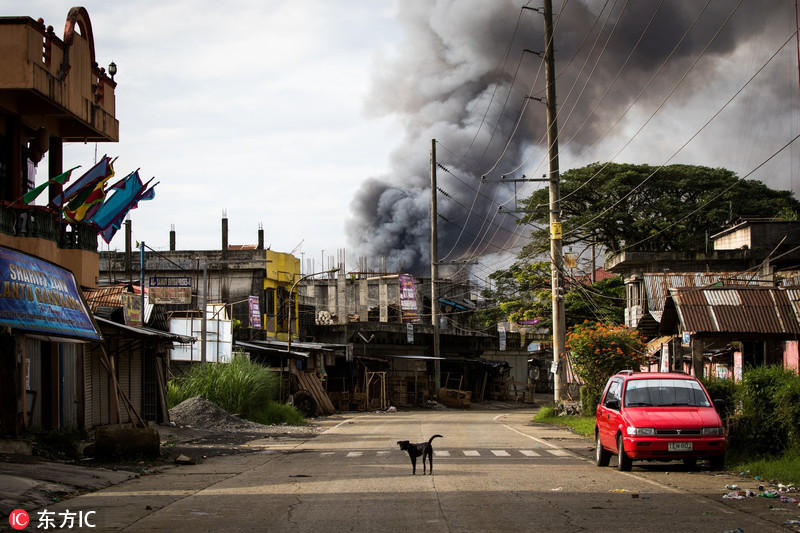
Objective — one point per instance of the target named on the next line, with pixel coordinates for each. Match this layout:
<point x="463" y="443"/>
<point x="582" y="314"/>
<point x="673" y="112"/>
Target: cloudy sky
<point x="315" y="118"/>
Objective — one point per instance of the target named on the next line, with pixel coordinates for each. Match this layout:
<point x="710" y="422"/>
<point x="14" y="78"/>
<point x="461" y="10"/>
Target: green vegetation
<point x="582" y="425"/>
<point x="783" y="469"/>
<point x="240" y="387"/>
<point x="660" y="211"/>
<point x="598" y="351"/>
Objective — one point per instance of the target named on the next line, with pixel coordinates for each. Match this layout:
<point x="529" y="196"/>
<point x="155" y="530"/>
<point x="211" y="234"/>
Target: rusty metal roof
<point x="105" y="297"/>
<point x="760" y="310"/>
<point x="657" y="285"/>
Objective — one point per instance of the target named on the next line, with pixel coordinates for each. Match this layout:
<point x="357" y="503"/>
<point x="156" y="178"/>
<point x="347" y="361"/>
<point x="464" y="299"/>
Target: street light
<point x="301" y="278"/>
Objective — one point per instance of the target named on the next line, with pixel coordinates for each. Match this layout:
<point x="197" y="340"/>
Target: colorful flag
<point x="61" y="179"/>
<point x="102" y="170"/>
<point x="145" y="194"/>
<point x="78" y="208"/>
<point x="123" y="194"/>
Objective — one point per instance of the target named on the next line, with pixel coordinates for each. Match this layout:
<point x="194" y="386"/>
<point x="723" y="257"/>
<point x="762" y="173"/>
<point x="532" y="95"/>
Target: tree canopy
<point x="649" y="208"/>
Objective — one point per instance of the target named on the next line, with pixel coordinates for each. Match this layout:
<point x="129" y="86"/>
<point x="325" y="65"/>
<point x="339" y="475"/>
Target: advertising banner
<point x="255" y="312"/>
<point x="170" y="290"/>
<point x="41" y="297"/>
<point x="132" y="309"/>
<point x="408" y="299"/>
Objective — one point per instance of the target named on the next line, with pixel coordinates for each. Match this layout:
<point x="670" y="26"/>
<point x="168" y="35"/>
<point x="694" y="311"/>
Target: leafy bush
<point x="589" y="400"/>
<point x="599" y="350"/>
<point x="278" y="413"/>
<point x="240" y="387"/>
<point x="787" y="410"/>
<point x="725" y="390"/>
<point x="761" y="426"/>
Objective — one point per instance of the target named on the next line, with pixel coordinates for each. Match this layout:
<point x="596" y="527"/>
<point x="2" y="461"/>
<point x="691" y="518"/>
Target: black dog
<point x="415" y="450"/>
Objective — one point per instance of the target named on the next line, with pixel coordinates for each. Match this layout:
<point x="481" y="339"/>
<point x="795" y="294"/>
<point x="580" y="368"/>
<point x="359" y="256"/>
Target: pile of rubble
<point x="198" y="412"/>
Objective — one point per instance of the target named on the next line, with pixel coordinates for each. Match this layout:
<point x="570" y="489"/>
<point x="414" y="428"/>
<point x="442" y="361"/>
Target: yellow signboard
<point x="555" y="230"/>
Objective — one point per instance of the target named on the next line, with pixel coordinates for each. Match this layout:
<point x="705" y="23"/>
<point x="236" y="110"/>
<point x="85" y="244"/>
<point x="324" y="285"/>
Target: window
<point x="665" y="392"/>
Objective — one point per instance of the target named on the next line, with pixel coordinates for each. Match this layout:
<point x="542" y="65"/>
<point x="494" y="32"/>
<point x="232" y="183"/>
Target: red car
<point x="657" y="416"/>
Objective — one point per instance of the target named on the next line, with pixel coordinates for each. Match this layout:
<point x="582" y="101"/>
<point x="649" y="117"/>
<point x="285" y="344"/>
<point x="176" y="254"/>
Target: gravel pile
<point x="197" y="412"/>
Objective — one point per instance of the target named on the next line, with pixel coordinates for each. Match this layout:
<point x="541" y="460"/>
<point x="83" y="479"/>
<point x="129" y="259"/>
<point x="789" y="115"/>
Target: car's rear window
<point x="664" y="392"/>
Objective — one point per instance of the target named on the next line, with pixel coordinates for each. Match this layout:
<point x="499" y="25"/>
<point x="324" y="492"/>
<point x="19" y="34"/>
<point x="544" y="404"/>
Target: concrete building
<point x="52" y="91"/>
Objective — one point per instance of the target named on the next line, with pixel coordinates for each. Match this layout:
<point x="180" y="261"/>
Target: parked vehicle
<point x="657" y="416"/>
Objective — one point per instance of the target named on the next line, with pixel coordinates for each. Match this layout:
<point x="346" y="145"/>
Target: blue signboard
<point x="41" y="297"/>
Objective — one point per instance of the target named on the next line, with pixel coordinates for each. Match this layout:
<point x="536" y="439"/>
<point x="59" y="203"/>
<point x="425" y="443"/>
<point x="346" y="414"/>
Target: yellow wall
<point x="282" y="271"/>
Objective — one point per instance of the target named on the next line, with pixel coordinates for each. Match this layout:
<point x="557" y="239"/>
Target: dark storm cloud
<point x="450" y="67"/>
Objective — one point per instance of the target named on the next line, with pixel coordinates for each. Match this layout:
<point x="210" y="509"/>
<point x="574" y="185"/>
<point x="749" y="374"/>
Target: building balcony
<point x="42" y="232"/>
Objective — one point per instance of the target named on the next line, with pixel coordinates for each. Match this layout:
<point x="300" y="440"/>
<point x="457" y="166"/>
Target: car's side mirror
<point x="613" y="404"/>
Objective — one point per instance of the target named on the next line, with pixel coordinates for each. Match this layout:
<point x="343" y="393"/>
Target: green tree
<point x="523" y="292"/>
<point x="673" y="207"/>
<point x="597" y="351"/>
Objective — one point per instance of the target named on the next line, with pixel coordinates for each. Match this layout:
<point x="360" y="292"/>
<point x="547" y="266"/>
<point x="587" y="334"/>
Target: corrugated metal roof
<point x="761" y="310"/>
<point x="104" y="297"/>
<point x="657" y="285"/>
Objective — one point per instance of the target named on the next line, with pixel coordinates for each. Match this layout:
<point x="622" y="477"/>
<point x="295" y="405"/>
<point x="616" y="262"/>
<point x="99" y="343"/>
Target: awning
<point x="323" y="346"/>
<point x="424" y="357"/>
<point x="270" y="349"/>
<point x="146" y="332"/>
<point x="655" y="344"/>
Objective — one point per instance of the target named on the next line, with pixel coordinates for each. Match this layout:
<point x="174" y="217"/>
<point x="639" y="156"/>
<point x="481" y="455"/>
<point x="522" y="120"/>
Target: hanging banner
<point x="664" y="357"/>
<point x="408" y="299"/>
<point x="39" y="296"/>
<point x="501" y="330"/>
<point x="410" y="333"/>
<point x="170" y="290"/>
<point x="132" y="309"/>
<point x="255" y="312"/>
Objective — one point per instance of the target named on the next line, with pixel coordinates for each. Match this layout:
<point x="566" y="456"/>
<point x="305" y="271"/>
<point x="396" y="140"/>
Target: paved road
<point x="493" y="471"/>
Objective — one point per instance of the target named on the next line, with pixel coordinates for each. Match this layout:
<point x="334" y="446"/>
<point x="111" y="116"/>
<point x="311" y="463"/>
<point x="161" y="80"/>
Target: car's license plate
<point x="679" y="446"/>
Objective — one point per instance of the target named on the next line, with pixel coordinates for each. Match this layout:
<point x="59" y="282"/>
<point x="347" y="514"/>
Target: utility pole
<point x="434" y="272"/>
<point x="556" y="257"/>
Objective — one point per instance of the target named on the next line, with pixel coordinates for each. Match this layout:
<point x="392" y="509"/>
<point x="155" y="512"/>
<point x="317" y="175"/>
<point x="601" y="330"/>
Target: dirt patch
<point x="201" y="413"/>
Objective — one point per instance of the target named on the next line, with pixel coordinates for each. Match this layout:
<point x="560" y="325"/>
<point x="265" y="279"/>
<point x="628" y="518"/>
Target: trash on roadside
<point x="731" y="486"/>
<point x="788" y="499"/>
<point x="557" y="489"/>
<point x="735" y="495"/>
<point x="769" y="494"/>
<point x="749" y="493"/>
<point x="619" y="490"/>
<point x="184" y="460"/>
<point x="737" y="530"/>
<point x="792" y="523"/>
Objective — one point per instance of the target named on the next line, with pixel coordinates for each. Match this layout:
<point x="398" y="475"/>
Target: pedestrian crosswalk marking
<point x="558" y="452"/>
<point x="541" y="452"/>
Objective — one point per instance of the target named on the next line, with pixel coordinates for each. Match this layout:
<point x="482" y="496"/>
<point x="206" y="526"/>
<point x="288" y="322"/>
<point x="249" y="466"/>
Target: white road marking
<point x="472" y="453"/>
<point x="441" y="453"/>
<point x="501" y="453"/>
<point x="529" y="453"/>
<point x="384" y="452"/>
<point x="559" y="452"/>
<point x="327" y="453"/>
<point x="355" y="454"/>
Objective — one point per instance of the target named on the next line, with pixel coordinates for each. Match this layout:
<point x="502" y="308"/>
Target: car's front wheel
<point x="601" y="455"/>
<point x="717" y="462"/>
<point x="623" y="461"/>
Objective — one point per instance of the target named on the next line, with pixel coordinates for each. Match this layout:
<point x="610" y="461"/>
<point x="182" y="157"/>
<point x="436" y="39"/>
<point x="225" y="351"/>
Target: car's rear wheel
<point x="601" y="456"/>
<point x="690" y="462"/>
<point x="717" y="462"/>
<point x="623" y="461"/>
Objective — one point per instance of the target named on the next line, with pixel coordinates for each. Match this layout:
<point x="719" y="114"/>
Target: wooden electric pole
<point x="434" y="273"/>
<point x="556" y="257"/>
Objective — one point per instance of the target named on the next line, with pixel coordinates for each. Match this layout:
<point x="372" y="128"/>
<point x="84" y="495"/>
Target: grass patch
<point x="240" y="387"/>
<point x="582" y="425"/>
<point x="278" y="413"/>
<point x="782" y="469"/>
